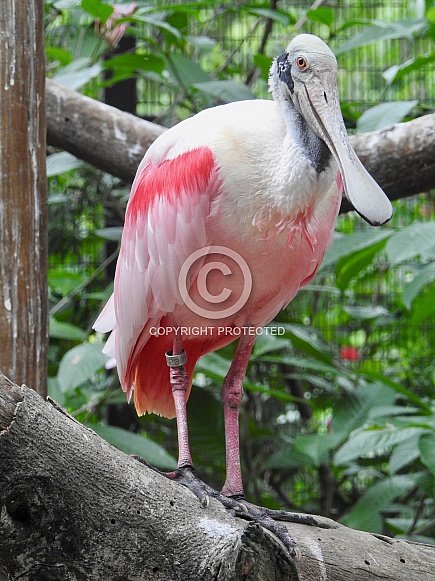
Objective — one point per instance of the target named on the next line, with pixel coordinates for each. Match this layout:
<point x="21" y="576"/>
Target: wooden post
<point x="23" y="194"/>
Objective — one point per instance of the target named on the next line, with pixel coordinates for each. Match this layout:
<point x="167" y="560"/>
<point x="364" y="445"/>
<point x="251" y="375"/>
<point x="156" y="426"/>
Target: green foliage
<point x="339" y="413"/>
<point x="136" y="444"/>
<point x="383" y="115"/>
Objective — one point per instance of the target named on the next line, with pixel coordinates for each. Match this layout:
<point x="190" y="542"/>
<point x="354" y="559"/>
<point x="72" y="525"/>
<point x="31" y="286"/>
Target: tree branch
<point x="99" y="134"/>
<point x="401" y="157"/>
<point x="72" y="507"/>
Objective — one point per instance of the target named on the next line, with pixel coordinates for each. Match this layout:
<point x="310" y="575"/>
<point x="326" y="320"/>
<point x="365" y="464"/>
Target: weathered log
<point x="401" y="157"/>
<point x="99" y="134"/>
<point x="72" y="507"/>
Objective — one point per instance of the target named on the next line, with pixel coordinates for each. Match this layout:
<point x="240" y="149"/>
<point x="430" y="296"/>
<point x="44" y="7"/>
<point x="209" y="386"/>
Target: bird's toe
<point x="268" y="519"/>
<point x="186" y="477"/>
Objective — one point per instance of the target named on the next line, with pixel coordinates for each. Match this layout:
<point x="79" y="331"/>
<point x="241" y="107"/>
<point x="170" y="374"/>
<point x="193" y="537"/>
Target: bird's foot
<point x="238" y="506"/>
<point x="265" y="517"/>
<point x="186" y="477"/>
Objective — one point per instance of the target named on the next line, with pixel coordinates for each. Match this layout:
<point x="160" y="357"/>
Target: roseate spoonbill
<point x="230" y="213"/>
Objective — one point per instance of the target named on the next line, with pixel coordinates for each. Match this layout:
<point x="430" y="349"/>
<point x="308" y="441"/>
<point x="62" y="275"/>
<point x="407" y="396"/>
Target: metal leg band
<point x="176" y="360"/>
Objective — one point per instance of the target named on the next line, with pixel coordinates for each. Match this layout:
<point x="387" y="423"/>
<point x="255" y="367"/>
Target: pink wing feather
<point x="165" y="222"/>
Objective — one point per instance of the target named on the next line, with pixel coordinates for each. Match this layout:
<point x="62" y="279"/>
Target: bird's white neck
<point x="313" y="147"/>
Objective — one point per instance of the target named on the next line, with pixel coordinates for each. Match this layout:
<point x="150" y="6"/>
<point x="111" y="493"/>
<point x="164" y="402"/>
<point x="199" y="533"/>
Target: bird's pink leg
<point x="232" y="394"/>
<point x="179" y="384"/>
<point x="232" y="495"/>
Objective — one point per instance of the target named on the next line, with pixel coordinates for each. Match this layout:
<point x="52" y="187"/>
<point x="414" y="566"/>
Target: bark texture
<point x="101" y="135"/>
<point x="72" y="507"/>
<point x="401" y="157"/>
<point x="23" y="194"/>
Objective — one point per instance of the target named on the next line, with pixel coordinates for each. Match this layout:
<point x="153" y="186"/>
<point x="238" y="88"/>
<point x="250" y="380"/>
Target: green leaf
<point x="275" y="393"/>
<point x="366" y="313"/>
<point x="287" y="458"/>
<point x="263" y="62"/>
<point x="178" y="20"/>
<point x="409" y="395"/>
<point x="399" y="412"/>
<point x="127" y="64"/>
<point x="79" y="365"/>
<point x="350" y="266"/>
<point x="226" y="91"/>
<point x="425" y="276"/>
<point x="205" y="428"/>
<point x="66" y="4"/>
<point x="55" y="392"/>
<point x="204" y="43"/>
<point x="426" y="446"/>
<point x="139" y="444"/>
<point x="267" y="343"/>
<point x="383" y="115"/>
<point x="60" y="330"/>
<point x="305" y="363"/>
<point x="165" y="27"/>
<point x="317" y="447"/>
<point x="345" y="244"/>
<point x="113" y="233"/>
<point x="373" y="442"/>
<point x="377" y="31"/>
<point x="404" y="453"/>
<point x="185" y="71"/>
<point x="365" y="514"/>
<point x="213" y="365"/>
<point x="353" y="409"/>
<point x="307" y="341"/>
<point x="284" y="18"/>
<point x="64" y="281"/>
<point x="397" y="72"/>
<point x="75" y="79"/>
<point x="62" y="55"/>
<point x="423" y="307"/>
<point x="59" y="163"/>
<point x="418" y="239"/>
<point x="323" y="15"/>
<point x="99" y="10"/>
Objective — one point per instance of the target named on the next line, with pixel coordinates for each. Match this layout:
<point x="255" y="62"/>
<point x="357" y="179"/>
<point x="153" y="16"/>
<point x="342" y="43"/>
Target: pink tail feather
<point x="152" y="390"/>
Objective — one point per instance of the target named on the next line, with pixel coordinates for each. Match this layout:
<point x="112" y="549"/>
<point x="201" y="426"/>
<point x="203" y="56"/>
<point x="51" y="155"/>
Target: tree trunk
<point x="23" y="194"/>
<point x="72" y="507"/>
<point x="400" y="157"/>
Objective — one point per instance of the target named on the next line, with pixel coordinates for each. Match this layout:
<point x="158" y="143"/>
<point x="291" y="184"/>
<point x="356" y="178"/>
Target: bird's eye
<point x="301" y="63"/>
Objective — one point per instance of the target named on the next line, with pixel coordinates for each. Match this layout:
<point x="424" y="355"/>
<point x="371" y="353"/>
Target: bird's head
<point x="305" y="75"/>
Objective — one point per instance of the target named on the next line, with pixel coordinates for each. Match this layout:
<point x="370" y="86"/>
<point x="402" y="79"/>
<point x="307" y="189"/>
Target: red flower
<point x="349" y="353"/>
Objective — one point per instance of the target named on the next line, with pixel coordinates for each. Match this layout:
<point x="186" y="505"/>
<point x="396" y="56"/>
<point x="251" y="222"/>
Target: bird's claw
<point x="186" y="476"/>
<point x="261" y="516"/>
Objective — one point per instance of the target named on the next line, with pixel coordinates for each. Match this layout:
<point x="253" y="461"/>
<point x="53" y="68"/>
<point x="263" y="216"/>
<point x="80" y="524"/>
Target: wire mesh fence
<point x="361" y="80"/>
